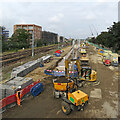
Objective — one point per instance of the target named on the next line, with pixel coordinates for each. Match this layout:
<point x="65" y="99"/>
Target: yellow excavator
<point x="84" y="71"/>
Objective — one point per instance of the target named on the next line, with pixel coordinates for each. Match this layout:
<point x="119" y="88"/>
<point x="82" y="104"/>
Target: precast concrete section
<point x="10" y="87"/>
<point x="26" y="68"/>
<point x="61" y="65"/>
<point x="46" y="58"/>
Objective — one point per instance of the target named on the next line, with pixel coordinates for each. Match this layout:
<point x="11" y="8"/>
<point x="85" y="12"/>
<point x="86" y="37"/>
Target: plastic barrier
<point x="49" y="72"/>
<point x="37" y="89"/>
<point x="11" y="99"/>
<point x="5" y="102"/>
<point x="62" y="73"/>
<point x="73" y="74"/>
<point x="41" y="65"/>
<point x="59" y="73"/>
<point x="57" y="54"/>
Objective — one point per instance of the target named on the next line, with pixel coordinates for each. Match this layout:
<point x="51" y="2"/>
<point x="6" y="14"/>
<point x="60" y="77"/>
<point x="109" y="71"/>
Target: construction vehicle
<point x="106" y="60"/>
<point x="74" y="99"/>
<point x="84" y="61"/>
<point x="60" y="83"/>
<point x="60" y="86"/>
<point x="83" y="52"/>
<point x="85" y="70"/>
<point x="84" y="73"/>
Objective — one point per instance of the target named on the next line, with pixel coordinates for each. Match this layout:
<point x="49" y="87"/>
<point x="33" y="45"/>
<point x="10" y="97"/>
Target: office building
<point x="34" y="30"/>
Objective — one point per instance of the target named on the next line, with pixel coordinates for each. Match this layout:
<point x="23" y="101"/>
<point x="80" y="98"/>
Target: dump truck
<point x="74" y="100"/>
<point x="60" y="86"/>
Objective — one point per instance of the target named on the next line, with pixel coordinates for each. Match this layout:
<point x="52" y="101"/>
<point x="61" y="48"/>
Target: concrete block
<point x="26" y="68"/>
<point x="8" y="90"/>
<point x="10" y="87"/>
<point x="20" y="81"/>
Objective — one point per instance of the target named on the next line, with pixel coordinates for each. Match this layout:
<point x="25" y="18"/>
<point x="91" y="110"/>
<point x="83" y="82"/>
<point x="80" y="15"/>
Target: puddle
<point x="109" y="110"/>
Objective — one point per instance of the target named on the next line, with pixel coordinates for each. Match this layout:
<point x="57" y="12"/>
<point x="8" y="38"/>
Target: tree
<point x="40" y="42"/>
<point x="20" y="38"/>
<point x="111" y="38"/>
<point x="114" y="30"/>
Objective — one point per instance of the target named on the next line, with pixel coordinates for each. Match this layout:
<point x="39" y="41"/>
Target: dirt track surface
<point x="103" y="101"/>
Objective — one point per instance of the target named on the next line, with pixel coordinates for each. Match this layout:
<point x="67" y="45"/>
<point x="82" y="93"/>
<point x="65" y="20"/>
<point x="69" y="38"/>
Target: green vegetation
<point x="43" y="42"/>
<point x="20" y="39"/>
<point x="110" y="39"/>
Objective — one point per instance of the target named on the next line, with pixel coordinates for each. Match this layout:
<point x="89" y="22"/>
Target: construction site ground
<point x="103" y="95"/>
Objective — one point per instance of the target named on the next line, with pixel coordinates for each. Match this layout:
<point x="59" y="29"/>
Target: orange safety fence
<point x="12" y="98"/>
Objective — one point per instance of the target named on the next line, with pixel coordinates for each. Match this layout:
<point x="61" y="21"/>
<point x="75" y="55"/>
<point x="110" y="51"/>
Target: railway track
<point x="13" y="57"/>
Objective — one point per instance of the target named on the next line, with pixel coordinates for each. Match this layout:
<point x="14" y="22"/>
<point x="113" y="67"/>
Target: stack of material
<point x="20" y="81"/>
<point x="61" y="65"/>
<point x="46" y="58"/>
<point x="23" y="70"/>
<point x="7" y="90"/>
<point x="10" y="87"/>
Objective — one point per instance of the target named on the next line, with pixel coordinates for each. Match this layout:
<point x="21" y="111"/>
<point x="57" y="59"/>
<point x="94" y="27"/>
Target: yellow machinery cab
<point x="83" y="51"/>
<point x="88" y="74"/>
<point x="78" y="97"/>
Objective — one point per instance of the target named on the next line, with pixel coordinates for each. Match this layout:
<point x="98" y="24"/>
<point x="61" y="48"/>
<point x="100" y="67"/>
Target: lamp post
<point x="32" y="44"/>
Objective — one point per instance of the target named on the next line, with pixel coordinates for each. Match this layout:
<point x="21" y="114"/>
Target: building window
<point x="25" y="27"/>
<point x="18" y="27"/>
<point x="30" y="31"/>
<point x="30" y="27"/>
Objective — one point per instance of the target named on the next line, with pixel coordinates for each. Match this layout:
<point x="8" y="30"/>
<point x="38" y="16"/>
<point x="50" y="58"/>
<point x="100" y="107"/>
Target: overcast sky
<point x="70" y="18"/>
